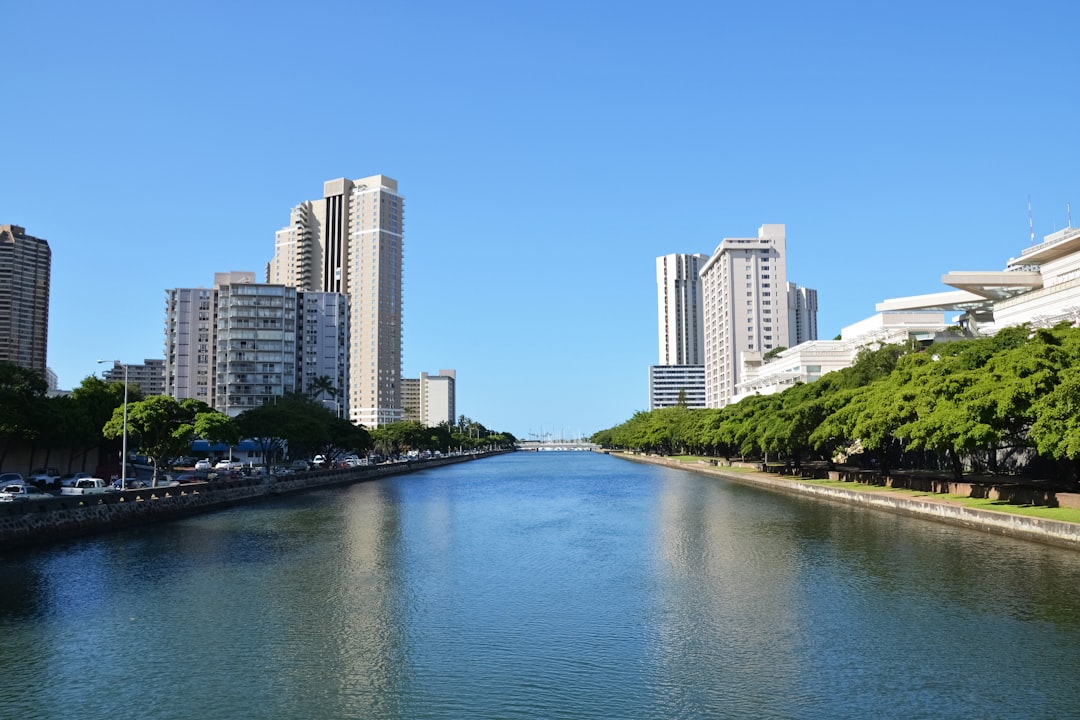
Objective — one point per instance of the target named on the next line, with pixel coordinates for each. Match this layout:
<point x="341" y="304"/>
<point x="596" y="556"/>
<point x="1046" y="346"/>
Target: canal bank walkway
<point x="929" y="506"/>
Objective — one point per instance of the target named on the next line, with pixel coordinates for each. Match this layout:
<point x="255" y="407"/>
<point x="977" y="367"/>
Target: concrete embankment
<point x="1053" y="532"/>
<point x="67" y="517"/>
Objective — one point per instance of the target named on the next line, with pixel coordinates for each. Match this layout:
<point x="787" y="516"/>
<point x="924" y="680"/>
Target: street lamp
<point x="123" y="444"/>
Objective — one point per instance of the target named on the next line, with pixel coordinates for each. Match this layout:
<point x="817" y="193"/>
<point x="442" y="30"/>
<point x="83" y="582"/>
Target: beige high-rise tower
<point x="25" y="270"/>
<point x="350" y="242"/>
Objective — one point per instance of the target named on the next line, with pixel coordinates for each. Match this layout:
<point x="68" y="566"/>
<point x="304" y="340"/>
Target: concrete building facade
<point x="323" y="342"/>
<point x="242" y="344"/>
<point x="190" y="328"/>
<point x="255" y="345"/>
<point x="808" y="361"/>
<point x="1040" y="287"/>
<point x="430" y="399"/>
<point x="25" y="272"/>
<point x="671" y="385"/>
<point x="678" y="301"/>
<point x="149" y="377"/>
<point x="351" y="242"/>
<point x="744" y="286"/>
<point x="802" y="314"/>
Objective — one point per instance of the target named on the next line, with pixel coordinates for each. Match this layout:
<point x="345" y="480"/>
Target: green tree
<point x="22" y="406"/>
<point x="161" y="427"/>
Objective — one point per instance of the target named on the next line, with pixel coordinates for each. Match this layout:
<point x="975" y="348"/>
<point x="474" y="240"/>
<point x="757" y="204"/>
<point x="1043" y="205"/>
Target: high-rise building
<point x="242" y="344"/>
<point x="746" y="307"/>
<point x="323" y="341"/>
<point x="149" y="377"/>
<point x="802" y="314"/>
<point x="430" y="399"/>
<point x="25" y="267"/>
<point x="678" y="288"/>
<point x="190" y="327"/>
<point x="255" y="343"/>
<point x="350" y="242"/>
<point x="679" y="378"/>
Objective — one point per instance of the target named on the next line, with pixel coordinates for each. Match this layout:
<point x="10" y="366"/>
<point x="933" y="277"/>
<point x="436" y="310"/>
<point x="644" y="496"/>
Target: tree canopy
<point x="1005" y="403"/>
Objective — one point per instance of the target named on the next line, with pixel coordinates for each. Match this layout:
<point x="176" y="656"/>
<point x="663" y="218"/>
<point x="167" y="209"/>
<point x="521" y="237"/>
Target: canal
<point x="541" y="585"/>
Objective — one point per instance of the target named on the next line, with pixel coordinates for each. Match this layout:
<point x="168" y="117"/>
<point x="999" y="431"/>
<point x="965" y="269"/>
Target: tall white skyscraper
<point x="679" y="376"/>
<point x="746" y="306"/>
<point x="350" y="242"/>
<point x="678" y="300"/>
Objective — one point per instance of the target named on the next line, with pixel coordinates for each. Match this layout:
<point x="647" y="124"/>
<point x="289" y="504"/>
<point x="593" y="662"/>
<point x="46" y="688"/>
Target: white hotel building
<point x="748" y="306"/>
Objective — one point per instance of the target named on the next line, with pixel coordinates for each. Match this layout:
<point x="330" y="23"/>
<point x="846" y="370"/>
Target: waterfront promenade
<point x="933" y="506"/>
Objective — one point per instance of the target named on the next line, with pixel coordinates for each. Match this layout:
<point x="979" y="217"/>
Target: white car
<point x="228" y="465"/>
<point x="203" y="465"/>
<point x="44" y="476"/>
<point x="73" y="478"/>
<point x="21" y="491"/>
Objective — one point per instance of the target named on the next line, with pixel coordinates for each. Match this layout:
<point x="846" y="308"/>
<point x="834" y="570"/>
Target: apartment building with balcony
<point x="25" y="273"/>
<point x="242" y="344"/>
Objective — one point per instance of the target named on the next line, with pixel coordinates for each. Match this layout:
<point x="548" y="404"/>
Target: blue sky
<point x="547" y="151"/>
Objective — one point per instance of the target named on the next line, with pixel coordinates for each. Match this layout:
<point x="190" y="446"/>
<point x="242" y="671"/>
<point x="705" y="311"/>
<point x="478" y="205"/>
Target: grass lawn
<point x="1049" y="513"/>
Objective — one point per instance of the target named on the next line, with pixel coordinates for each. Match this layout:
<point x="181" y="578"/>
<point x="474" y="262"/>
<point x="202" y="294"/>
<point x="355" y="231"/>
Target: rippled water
<point x="542" y="585"/>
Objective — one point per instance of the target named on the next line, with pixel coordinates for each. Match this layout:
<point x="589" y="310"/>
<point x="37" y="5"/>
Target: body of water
<point x="541" y="585"/>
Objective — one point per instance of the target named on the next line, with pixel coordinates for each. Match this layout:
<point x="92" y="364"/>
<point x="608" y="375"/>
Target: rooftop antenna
<point x="1031" y="224"/>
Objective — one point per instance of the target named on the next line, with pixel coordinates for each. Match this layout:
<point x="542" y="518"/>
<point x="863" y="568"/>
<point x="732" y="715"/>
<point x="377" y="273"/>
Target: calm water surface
<point x="542" y="585"/>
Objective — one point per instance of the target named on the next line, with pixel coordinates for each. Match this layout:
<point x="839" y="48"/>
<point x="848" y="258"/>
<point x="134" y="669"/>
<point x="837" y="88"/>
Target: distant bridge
<point x="557" y="445"/>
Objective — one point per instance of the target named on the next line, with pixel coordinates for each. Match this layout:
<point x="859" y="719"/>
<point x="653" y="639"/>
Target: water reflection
<point x="533" y="586"/>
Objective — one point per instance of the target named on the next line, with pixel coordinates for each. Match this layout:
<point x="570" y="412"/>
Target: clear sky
<point x="548" y="153"/>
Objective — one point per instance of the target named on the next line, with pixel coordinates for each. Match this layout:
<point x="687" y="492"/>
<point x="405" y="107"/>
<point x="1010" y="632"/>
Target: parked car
<point x="203" y="465"/>
<point x="188" y="478"/>
<point x="229" y="465"/>
<point x="86" y="486"/>
<point x="10" y="478"/>
<point x="70" y="479"/>
<point x="125" y="484"/>
<point x="299" y="466"/>
<point x="16" y="492"/>
<point x="44" y="476"/>
<point x="318" y="461"/>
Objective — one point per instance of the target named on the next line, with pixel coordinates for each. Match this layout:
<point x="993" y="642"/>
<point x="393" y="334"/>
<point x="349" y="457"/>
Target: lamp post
<point x="123" y="443"/>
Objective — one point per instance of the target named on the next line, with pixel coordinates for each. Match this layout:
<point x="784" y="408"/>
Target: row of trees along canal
<point x="64" y="431"/>
<point x="1007" y="404"/>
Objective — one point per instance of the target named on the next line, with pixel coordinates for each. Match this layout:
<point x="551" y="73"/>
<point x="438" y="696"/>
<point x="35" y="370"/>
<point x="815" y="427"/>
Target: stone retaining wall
<point x="1054" y="532"/>
<point x="66" y="517"/>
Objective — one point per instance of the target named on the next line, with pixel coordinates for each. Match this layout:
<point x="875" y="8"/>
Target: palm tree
<point x="320" y="385"/>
